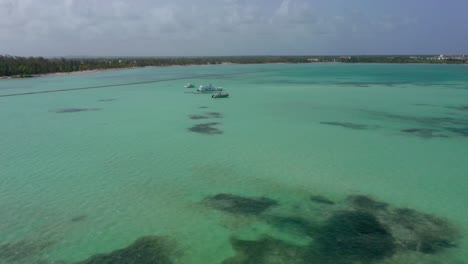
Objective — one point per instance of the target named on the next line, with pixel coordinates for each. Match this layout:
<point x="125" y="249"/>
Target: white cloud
<point x="179" y="27"/>
<point x="295" y="11"/>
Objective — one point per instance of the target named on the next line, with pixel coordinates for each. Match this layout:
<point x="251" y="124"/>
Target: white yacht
<point x="209" y="88"/>
<point x="189" y="85"/>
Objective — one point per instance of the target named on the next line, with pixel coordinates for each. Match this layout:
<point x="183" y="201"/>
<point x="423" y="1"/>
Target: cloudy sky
<point x="232" y="27"/>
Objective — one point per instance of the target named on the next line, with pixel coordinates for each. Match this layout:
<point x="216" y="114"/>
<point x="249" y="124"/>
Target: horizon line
<point x="217" y="56"/>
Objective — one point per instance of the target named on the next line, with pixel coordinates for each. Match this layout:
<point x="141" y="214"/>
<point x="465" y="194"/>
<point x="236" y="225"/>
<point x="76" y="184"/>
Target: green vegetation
<point x="29" y="66"/>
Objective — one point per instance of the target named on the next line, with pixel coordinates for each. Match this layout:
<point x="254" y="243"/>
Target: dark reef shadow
<point x="447" y="126"/>
<point x="363" y="202"/>
<point x="422" y="104"/>
<point x="355" y="235"/>
<point x="236" y="204"/>
<point x="412" y="230"/>
<point x="206" y="129"/>
<point x="429" y="121"/>
<point x="206" y="116"/>
<point x="369" y="84"/>
<point x="196" y="117"/>
<point x="349" y="125"/>
<point x="268" y="250"/>
<point x="425" y="233"/>
<point x="345" y="237"/>
<point x="79" y="218"/>
<point x="321" y="200"/>
<point x="74" y="110"/>
<point x="461" y="131"/>
<point x="364" y="231"/>
<point x="25" y="251"/>
<point x="423" y="132"/>
<point x="461" y="108"/>
<point x="295" y="225"/>
<point x="145" y="250"/>
<point x="214" y="115"/>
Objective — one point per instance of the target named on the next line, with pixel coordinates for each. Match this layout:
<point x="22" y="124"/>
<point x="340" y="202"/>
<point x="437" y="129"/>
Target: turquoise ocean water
<point x="90" y="171"/>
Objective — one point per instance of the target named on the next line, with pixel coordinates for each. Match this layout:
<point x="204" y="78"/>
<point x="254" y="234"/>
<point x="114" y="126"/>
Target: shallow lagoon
<point x="91" y="171"/>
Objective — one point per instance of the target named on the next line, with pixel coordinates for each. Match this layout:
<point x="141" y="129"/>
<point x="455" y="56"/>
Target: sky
<point x="232" y="27"/>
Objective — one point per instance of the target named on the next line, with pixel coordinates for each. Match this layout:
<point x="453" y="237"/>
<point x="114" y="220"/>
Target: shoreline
<point x="62" y="74"/>
<point x="96" y="71"/>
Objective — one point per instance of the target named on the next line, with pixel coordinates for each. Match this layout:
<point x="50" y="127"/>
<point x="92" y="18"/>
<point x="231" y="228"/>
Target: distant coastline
<point x="58" y="74"/>
<point x="27" y="67"/>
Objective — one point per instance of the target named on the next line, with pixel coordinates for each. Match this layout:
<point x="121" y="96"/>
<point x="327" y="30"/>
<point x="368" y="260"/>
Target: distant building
<point x="448" y="57"/>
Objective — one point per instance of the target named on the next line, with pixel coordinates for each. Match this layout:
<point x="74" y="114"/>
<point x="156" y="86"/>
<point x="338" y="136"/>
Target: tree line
<point x="29" y="66"/>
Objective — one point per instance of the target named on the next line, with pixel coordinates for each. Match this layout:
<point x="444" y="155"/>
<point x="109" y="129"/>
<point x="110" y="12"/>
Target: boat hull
<point x="224" y="95"/>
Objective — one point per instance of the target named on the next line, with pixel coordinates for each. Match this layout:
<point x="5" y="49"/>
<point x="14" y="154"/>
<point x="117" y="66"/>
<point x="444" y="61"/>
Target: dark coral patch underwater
<point x="79" y="218"/>
<point x="349" y="125"/>
<point x="206" y="128"/>
<point x="355" y="235"/>
<point x="196" y="117"/>
<point x="145" y="250"/>
<point x="421" y="232"/>
<point x="369" y="84"/>
<point x="74" y="110"/>
<point x="423" y="132"/>
<point x="267" y="250"/>
<point x="24" y="251"/>
<point x="461" y="131"/>
<point x="461" y="108"/>
<point x="240" y="205"/>
<point x="345" y="237"/>
<point x="359" y="229"/>
<point x="206" y="116"/>
<point x="321" y="200"/>
<point x="432" y="126"/>
<point x="296" y="225"/>
<point x="214" y="114"/>
<point x="364" y="202"/>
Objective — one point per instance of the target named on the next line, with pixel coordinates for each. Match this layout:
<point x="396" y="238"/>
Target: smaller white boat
<point x="189" y="85"/>
<point x="209" y="88"/>
<point x="220" y="95"/>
